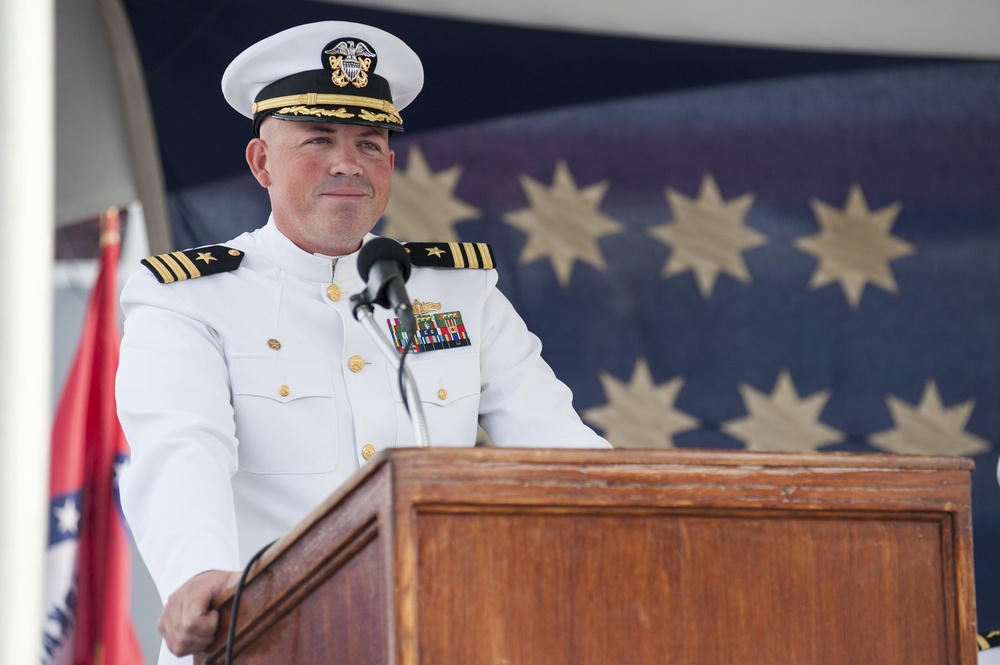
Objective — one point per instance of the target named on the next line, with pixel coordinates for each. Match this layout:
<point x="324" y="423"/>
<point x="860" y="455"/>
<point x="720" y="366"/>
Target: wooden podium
<point x="548" y="557"/>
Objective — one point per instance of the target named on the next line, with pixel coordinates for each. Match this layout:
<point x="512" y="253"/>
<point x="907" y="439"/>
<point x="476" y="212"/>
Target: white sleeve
<point x="175" y="408"/>
<point x="522" y="403"/>
<point x="989" y="657"/>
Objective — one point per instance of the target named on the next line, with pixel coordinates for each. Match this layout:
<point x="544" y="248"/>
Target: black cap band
<point x="346" y="90"/>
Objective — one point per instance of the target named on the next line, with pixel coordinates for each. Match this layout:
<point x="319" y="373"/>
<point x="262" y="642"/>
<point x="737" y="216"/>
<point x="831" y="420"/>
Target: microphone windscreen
<point x="383" y="249"/>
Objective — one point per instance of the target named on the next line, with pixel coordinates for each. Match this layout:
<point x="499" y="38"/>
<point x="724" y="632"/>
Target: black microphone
<point x="385" y="266"/>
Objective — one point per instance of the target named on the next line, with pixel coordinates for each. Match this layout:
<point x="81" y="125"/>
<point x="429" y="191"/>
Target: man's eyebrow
<point x="322" y="129"/>
<point x="333" y="129"/>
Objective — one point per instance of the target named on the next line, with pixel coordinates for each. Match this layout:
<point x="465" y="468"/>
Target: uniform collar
<point x="290" y="258"/>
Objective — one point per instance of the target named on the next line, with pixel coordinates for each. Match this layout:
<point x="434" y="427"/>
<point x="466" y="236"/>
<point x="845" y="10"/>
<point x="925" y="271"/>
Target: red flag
<point x="88" y="569"/>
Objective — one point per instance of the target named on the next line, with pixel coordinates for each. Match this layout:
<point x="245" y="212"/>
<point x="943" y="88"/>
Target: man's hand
<point x="188" y="622"/>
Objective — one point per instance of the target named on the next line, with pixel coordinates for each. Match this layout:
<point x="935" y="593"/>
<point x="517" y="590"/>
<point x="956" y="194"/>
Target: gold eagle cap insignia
<point x="350" y="62"/>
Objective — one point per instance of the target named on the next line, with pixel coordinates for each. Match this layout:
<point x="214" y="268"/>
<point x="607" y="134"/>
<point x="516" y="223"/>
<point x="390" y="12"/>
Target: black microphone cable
<point x="231" y="637"/>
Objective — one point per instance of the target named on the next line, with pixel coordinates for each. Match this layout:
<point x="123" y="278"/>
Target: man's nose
<point x="345" y="161"/>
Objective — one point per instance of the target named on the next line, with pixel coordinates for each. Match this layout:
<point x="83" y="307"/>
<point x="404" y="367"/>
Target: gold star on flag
<point x="707" y="235"/>
<point x="782" y="421"/>
<point x="640" y="414"/>
<point x="930" y="428"/>
<point x="854" y="246"/>
<point x="421" y="205"/>
<point x="563" y="222"/>
<point x="206" y="257"/>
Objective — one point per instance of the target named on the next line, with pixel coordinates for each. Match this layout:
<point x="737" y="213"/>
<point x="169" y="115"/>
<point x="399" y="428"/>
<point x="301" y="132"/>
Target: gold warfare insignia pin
<point x="421" y="308"/>
<point x="350" y="61"/>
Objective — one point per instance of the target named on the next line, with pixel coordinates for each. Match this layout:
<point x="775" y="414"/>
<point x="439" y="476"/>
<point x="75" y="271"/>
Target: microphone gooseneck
<point x="385" y="266"/>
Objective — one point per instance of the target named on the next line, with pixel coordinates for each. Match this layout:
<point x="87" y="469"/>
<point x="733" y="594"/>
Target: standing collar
<point x="290" y="258"/>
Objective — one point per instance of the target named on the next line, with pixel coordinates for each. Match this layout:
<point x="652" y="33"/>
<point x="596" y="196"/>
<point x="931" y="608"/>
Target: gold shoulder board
<point x="191" y="263"/>
<point x="451" y="255"/>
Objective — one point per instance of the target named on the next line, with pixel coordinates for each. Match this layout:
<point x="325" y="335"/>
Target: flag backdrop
<point x="719" y="247"/>
<point x="88" y="572"/>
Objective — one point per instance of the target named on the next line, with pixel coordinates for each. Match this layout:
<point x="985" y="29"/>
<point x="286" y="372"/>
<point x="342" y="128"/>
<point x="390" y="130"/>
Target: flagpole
<point x="27" y="137"/>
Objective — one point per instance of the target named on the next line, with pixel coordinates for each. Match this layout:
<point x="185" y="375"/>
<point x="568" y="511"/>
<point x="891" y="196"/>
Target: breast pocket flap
<point x="283" y="379"/>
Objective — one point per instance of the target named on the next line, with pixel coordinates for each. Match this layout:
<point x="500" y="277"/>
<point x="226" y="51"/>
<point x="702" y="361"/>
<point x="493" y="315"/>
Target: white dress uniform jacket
<point x="248" y="396"/>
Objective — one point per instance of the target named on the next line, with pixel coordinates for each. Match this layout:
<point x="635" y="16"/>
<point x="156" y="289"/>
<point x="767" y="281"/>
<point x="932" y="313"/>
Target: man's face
<point x="328" y="182"/>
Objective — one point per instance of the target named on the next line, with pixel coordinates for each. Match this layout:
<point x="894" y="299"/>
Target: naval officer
<point x="247" y="390"/>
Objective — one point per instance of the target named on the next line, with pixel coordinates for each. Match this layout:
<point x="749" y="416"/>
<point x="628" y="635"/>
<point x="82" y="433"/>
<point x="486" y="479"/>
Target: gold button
<point x="284" y="391"/>
<point x="356" y="364"/>
<point x="368" y="451"/>
<point x="234" y="252"/>
<point x="273" y="344"/>
<point x="333" y="292"/>
<point x="442" y="394"/>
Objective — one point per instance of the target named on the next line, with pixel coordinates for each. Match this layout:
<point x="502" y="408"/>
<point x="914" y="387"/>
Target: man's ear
<point x="257" y="160"/>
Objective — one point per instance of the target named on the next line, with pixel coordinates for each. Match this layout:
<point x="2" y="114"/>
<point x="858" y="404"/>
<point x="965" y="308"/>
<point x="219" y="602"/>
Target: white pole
<point x="27" y="137"/>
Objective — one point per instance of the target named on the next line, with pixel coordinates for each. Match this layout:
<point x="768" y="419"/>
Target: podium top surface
<point x="673" y="456"/>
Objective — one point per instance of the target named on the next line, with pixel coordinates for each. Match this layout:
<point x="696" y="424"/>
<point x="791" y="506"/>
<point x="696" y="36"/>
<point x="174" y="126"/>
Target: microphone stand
<point x="363" y="312"/>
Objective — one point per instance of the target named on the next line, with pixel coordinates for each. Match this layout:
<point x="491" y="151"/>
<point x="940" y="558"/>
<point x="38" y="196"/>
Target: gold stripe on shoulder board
<point x="456" y="254"/>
